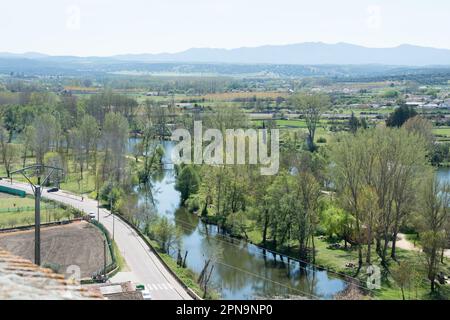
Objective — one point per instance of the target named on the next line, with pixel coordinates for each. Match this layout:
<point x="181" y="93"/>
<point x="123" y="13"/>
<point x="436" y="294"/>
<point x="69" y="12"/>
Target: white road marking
<point x="159" y="286"/>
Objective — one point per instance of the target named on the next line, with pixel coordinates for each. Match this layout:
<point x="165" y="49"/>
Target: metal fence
<point x="23" y="209"/>
<point x="113" y="264"/>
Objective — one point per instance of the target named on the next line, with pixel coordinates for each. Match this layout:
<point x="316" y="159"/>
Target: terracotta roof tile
<point x="21" y="279"/>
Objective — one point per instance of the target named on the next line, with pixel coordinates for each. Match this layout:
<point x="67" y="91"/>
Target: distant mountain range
<point x="309" y="53"/>
<point x="343" y="61"/>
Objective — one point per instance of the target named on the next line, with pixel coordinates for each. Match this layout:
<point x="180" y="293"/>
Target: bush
<point x="165" y="233"/>
<point x="110" y="192"/>
<point x="193" y="203"/>
<point x="188" y="182"/>
<point x="321" y="140"/>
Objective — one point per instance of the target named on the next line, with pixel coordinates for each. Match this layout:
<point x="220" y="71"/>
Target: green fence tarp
<point x="12" y="191"/>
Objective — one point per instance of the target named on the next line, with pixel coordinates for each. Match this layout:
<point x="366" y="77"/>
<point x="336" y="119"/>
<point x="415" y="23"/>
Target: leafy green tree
<point x="337" y="223"/>
<point x="47" y="135"/>
<point x="390" y="93"/>
<point x="400" y="116"/>
<point x="89" y="135"/>
<point x="353" y="123"/>
<point x="294" y="201"/>
<point x="379" y="167"/>
<point x="9" y="153"/>
<point x="188" y="182"/>
<point x="114" y="139"/>
<point x="311" y="107"/>
<point x="226" y="117"/>
<point x="433" y="219"/>
<point x="423" y="128"/>
<point x="112" y="194"/>
<point x="364" y="123"/>
<point x="166" y="233"/>
<point x="27" y="138"/>
<point x="440" y="153"/>
<point x="404" y="275"/>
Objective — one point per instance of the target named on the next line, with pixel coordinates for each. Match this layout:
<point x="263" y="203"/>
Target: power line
<point x="342" y="277"/>
<point x="299" y="266"/>
<point x="267" y="279"/>
<point x="148" y="254"/>
<point x="261" y="277"/>
<point x="291" y="260"/>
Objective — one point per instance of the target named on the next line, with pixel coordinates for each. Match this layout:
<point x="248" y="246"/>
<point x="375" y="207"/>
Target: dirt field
<point x="78" y="244"/>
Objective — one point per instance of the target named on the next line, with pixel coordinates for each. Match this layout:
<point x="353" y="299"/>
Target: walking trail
<point x="405" y="244"/>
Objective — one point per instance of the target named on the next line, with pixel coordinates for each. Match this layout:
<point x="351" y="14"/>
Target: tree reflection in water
<point x="241" y="271"/>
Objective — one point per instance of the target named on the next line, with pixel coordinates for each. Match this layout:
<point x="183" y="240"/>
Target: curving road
<point x="142" y="264"/>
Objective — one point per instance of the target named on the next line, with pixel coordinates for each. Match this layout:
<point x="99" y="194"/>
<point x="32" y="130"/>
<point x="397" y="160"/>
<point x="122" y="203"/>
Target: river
<point x="241" y="270"/>
<point x="444" y="174"/>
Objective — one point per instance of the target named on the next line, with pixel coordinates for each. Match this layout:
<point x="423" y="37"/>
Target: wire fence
<point x="23" y="209"/>
<point x="113" y="263"/>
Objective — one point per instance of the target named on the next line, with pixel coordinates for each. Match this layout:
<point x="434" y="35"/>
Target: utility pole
<point x="37" y="222"/>
<point x="37" y="191"/>
<point x="98" y="203"/>
<point x="104" y="257"/>
<point x="111" y="207"/>
<point x="113" y="226"/>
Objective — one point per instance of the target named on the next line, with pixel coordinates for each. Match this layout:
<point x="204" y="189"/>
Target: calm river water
<point x="241" y="270"/>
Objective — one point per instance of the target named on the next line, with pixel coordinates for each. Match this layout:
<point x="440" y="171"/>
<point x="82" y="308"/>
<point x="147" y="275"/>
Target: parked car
<point x="53" y="190"/>
<point x="92" y="216"/>
<point x="145" y="292"/>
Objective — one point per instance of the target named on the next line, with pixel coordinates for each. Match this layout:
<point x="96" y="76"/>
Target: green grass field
<point x="336" y="259"/>
<point x="442" y="131"/>
<point x="16" y="211"/>
<point x="75" y="185"/>
<point x="11" y="202"/>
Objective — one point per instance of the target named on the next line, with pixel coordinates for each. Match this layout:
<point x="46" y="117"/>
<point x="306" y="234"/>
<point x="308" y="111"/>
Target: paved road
<point x="144" y="267"/>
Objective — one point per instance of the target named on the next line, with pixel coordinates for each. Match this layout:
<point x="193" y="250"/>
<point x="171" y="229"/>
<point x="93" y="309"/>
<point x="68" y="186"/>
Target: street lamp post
<point x="111" y="208"/>
<point x="98" y="204"/>
<point x="37" y="222"/>
<point x="37" y="191"/>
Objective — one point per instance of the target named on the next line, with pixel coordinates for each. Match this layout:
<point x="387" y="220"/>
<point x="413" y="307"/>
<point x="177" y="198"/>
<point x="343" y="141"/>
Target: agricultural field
<point x="443" y="133"/>
<point x="78" y="243"/>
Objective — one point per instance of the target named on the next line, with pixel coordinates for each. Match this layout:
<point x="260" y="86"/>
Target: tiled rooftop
<point x="21" y="279"/>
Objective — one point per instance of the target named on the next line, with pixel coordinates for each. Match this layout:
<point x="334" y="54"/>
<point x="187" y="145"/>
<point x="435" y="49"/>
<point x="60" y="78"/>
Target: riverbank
<point x="186" y="276"/>
<point x="334" y="258"/>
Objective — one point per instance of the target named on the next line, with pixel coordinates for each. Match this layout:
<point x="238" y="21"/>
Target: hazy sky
<point x="106" y="27"/>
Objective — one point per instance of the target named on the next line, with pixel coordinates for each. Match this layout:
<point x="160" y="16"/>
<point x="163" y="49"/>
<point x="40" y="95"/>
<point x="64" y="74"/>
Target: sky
<point x="107" y="27"/>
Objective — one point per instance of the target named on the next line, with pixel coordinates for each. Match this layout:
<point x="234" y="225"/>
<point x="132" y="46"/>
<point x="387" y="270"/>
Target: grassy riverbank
<point x="337" y="262"/>
<point x="188" y="277"/>
<point x="343" y="263"/>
